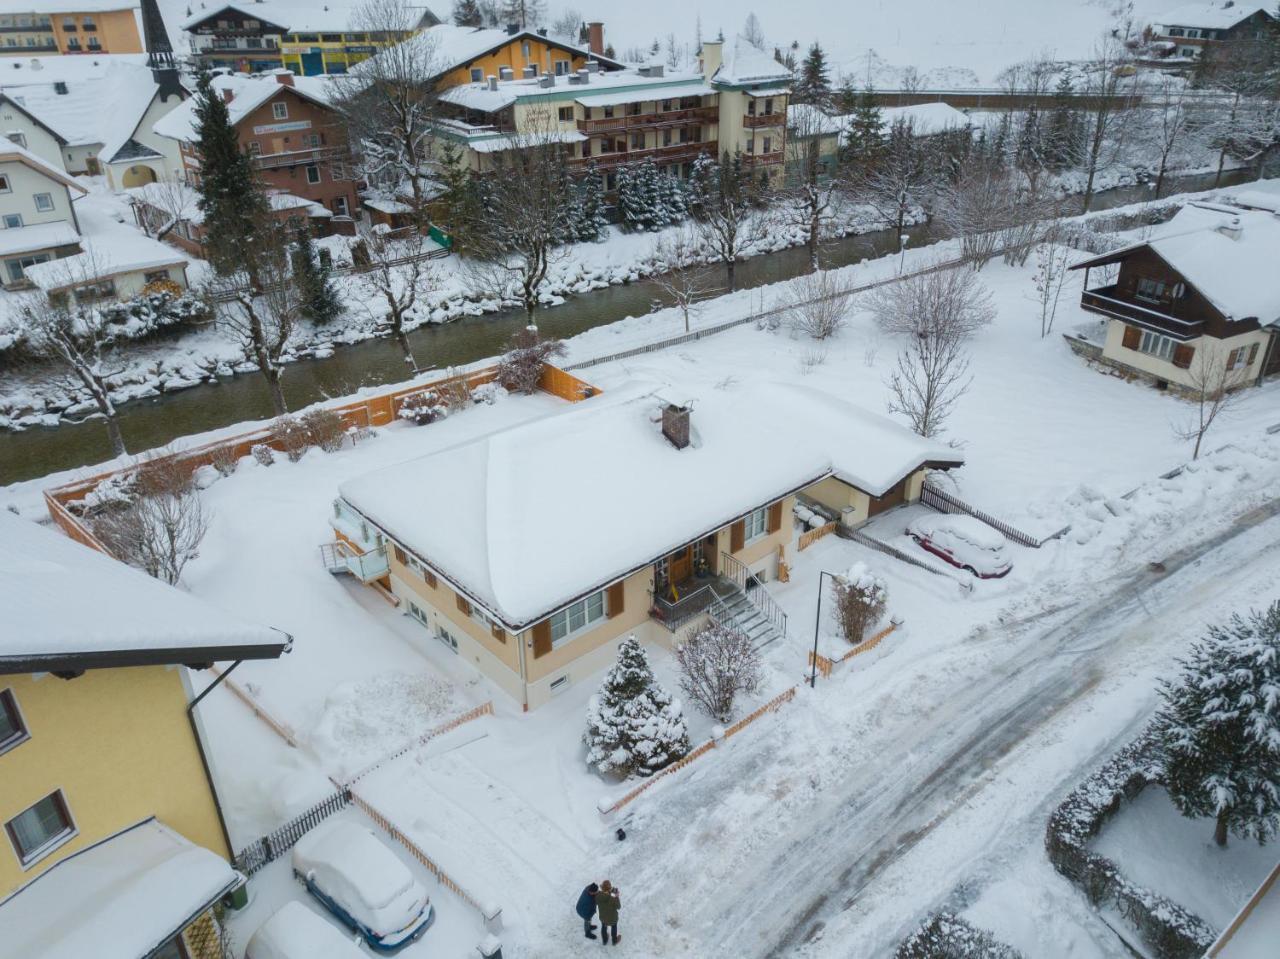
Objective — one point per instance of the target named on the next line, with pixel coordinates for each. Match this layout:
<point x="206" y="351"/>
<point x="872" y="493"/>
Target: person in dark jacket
<point x="608" y="904"/>
<point x="586" y="908"/>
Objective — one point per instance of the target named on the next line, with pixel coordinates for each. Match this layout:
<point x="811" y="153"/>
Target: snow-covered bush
<point x="716" y="664"/>
<point x="116" y="491"/>
<point x="160" y="307"/>
<point x="488" y="393"/>
<point x="860" y="596"/>
<point x="633" y="724"/>
<point x="224" y="459"/>
<point x="520" y="368"/>
<point x="262" y="454"/>
<point x="290" y="437"/>
<point x="325" y="429"/>
<point x="947" y="936"/>
<point x="1219" y="728"/>
<point x="422" y="408"/>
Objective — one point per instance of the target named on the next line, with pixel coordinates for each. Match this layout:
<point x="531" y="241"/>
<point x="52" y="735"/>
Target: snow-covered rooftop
<point x="1215" y="16"/>
<point x="105" y="259"/>
<point x="528" y="518"/>
<point x="10" y="151"/>
<point x="603" y="89"/>
<point x="79" y="6"/>
<point x="38" y="236"/>
<point x="120" y="614"/>
<point x="297" y="16"/>
<point x="1234" y="273"/>
<point x="925" y="119"/>
<point x="124" y="896"/>
<point x="247" y="94"/>
<point x="22" y="71"/>
<point x="744" y="64"/>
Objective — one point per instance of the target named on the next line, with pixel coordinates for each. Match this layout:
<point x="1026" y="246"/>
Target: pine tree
<point x="320" y="300"/>
<point x="672" y="197"/>
<point x="845" y="99"/>
<point x="643" y="198"/>
<point x="229" y="196"/>
<point x="1219" y="728"/>
<point x="1030" y="149"/>
<point x="633" y="725"/>
<point x="466" y="13"/>
<point x="814" y="83"/>
<point x="865" y="140"/>
<point x="526" y="14"/>
<point x="589" y="195"/>
<point x="1061" y="136"/>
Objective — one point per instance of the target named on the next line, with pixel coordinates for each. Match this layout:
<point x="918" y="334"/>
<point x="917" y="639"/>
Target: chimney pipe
<point x="595" y="37"/>
<point x="285" y="78"/>
<point x="675" y="425"/>
<point x="228" y="95"/>
<point x="1232" y="229"/>
<point x="584" y="75"/>
<point x="493" y="82"/>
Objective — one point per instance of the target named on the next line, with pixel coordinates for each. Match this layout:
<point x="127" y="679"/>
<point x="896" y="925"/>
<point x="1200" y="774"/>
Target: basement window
<point x="560" y="685"/>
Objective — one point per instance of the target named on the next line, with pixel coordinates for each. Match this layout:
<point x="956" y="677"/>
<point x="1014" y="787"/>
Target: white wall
<point x="24" y="184"/>
<point x="38" y="140"/>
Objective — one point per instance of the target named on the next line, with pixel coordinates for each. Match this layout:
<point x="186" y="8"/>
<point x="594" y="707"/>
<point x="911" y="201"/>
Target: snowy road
<point x="838" y="826"/>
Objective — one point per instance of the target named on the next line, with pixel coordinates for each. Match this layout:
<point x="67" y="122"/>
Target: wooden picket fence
<point x="809" y="537"/>
<point x="484" y="709"/>
<point x="825" y="665"/>
<point x="771" y="706"/>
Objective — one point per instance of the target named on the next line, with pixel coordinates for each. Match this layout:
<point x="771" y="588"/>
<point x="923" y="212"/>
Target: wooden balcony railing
<point x="1104" y="300"/>
<point x="651" y="121"/>
<point x="676" y="153"/>
<point x="761" y="159"/>
<point x="278" y="161"/>
<point x="754" y="120"/>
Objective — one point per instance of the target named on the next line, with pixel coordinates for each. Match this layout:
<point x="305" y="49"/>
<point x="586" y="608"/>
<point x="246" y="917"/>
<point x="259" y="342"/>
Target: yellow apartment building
<point x="37" y="27"/>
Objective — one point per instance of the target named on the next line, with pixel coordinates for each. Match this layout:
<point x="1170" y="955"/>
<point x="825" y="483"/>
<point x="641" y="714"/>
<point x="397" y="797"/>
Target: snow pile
<point x="294" y="930"/>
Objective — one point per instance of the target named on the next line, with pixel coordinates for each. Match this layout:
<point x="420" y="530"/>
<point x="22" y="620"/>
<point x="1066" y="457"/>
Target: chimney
<point x="506" y="73"/>
<point x="530" y="71"/>
<point x="493" y="82"/>
<point x="228" y="95"/>
<point x="547" y="80"/>
<point x="593" y="66"/>
<point x="675" y="425"/>
<point x="584" y="75"/>
<point x="712" y="56"/>
<point x="595" y="37"/>
<point x="1232" y="229"/>
<point x="285" y="77"/>
<point x="513" y="29"/>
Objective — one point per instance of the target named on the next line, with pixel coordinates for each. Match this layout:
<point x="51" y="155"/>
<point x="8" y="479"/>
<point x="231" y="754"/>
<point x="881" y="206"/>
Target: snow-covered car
<point x="963" y="541"/>
<point x="362" y="882"/>
<point x="295" y="932"/>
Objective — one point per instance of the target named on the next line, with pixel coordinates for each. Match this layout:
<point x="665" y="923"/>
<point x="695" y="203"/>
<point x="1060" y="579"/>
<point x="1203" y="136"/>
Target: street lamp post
<point x="817" y="626"/>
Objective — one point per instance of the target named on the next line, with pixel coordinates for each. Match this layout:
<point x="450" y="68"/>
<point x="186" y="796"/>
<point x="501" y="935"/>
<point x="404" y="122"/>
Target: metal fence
<point x="944" y="502"/>
<point x="272" y="846"/>
<point x="871" y="543"/>
<point x="737" y="572"/>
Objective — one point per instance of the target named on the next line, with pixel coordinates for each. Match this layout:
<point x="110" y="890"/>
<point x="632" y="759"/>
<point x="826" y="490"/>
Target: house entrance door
<point x="680" y="564"/>
<point x="895" y="496"/>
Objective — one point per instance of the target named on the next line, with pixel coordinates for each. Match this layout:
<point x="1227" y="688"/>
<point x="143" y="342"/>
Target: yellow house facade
<point x="109" y="27"/>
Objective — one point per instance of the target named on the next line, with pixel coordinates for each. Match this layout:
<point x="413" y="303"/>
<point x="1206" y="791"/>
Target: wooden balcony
<point x="292" y="158"/>
<point x="1105" y="302"/>
<point x="651" y="121"/>
<point x="676" y="153"/>
<point x="754" y="121"/>
<point x="761" y="159"/>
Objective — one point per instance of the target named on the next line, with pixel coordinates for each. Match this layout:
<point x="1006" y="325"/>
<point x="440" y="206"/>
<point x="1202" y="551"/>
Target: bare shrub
<point x="325" y="429"/>
<point x="812" y="358"/>
<point x="716" y="664"/>
<point x="1215" y="377"/>
<point x="161" y="530"/>
<point x="949" y="302"/>
<point x="224" y="459"/>
<point x="860" y="598"/>
<point x="290" y="437"/>
<point x="520" y="368"/>
<point x="456" y="393"/>
<point x="818" y="305"/>
<point x="263" y="454"/>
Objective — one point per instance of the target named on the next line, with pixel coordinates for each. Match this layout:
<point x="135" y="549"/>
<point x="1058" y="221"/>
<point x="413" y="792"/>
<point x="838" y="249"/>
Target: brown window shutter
<point x="430" y="578"/>
<point x="541" y="638"/>
<point x="774" y="522"/>
<point x="1253" y="354"/>
<point x="463" y="604"/>
<point x="1132" y="337"/>
<point x="615" y="601"/>
<point x="737" y="535"/>
<point x="1232" y="358"/>
<point x="1182" y="355"/>
<point x="399" y="554"/>
<point x="498" y="634"/>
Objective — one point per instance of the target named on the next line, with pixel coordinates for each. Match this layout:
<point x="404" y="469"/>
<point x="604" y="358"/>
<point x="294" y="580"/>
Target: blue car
<point x="363" y="884"/>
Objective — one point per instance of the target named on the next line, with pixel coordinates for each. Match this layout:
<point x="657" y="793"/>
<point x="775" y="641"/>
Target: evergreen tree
<point x="1062" y="132"/>
<point x="814" y="83"/>
<point x="590" y="206"/>
<point x="633" y="725"/>
<point x="466" y="13"/>
<point x="314" y="277"/>
<point x="1030" y="150"/>
<point x="672" y="197"/>
<point x="864" y="140"/>
<point x="845" y="98"/>
<point x="1219" y="728"/>
<point x="229" y="196"/>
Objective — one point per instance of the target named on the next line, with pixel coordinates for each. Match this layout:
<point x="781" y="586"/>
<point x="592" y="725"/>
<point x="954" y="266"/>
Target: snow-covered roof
<point x="603" y="89"/>
<point x="744" y="64"/>
<point x="247" y="94"/>
<point x="124" y="896"/>
<point x="38" y="236"/>
<point x="1234" y="273"/>
<point x="296" y="16"/>
<point x="120" y="616"/>
<point x="501" y="142"/>
<point x="165" y="197"/>
<point x="529" y="518"/>
<point x="18" y="71"/>
<point x="107" y="259"/>
<point x="11" y="152"/>
<point x="926" y="118"/>
<point x="1255" y="931"/>
<point x="1214" y="16"/>
<point x="630" y="88"/>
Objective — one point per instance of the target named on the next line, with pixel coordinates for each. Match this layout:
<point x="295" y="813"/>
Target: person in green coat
<point x="607" y="906"/>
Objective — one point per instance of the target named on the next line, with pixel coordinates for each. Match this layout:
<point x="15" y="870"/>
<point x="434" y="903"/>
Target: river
<point x="159" y="420"/>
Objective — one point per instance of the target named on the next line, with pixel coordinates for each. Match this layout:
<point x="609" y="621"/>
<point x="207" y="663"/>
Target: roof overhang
<point x="193" y="656"/>
<point x="5" y="98"/>
<point x="194" y="23"/>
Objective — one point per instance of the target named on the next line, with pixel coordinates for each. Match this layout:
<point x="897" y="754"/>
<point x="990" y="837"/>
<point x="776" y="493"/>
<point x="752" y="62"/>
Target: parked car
<point x="963" y="541"/>
<point x="362" y="882"/>
<point x="295" y="932"/>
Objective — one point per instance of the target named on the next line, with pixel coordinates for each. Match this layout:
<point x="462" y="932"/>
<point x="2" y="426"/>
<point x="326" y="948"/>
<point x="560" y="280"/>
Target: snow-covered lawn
<point x="1160" y="849"/>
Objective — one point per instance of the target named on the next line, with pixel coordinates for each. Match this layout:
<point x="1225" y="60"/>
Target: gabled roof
<point x="248" y="93"/>
<point x="69" y="607"/>
<point x="529" y="518"/>
<point x="744" y="64"/>
<point x="10" y="152"/>
<point x="126" y="895"/>
<point x="1221" y="15"/>
<point x="293" y="16"/>
<point x="1235" y="274"/>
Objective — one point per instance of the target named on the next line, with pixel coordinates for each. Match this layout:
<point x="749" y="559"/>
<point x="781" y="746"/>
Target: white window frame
<point x="1242" y="358"/>
<point x="54" y="842"/>
<point x="280" y="110"/>
<point x="477" y="75"/>
<point x="24" y="731"/>
<point x="1157" y="345"/>
<point x="563" y="67"/>
<point x="446" y="637"/>
<point x="313" y="171"/>
<point x="6" y="217"/>
<point x="756" y="518"/>
<point x="47" y="199"/>
<point x="590" y="622"/>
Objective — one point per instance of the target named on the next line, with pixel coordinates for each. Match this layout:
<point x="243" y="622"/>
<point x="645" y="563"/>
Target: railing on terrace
<point x="276" y="161"/>
<point x="674" y="153"/>
<point x="688" y="607"/>
<point x="761" y="159"/>
<point x="340" y="557"/>
<point x="736" y="572"/>
<point x="1102" y="300"/>
<point x="756" y="120"/>
<point x="650" y="121"/>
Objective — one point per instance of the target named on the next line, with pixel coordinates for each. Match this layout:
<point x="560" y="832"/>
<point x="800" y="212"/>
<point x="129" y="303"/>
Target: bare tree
<point x="902" y="180"/>
<point x="1248" y="72"/>
<point x="1172" y="124"/>
<point x="1214" y="379"/>
<point x="728" y="219"/>
<point x="810" y="193"/>
<point x="752" y="32"/>
<point x="160" y="206"/>
<point x="1107" y="106"/>
<point x="518" y="218"/>
<point x="520" y="368"/>
<point x="717" y="663"/>
<point x="932" y="375"/>
<point x="399" y="276"/>
<point x="390" y="102"/>
<point x="262" y="309"/>
<point x="682" y="276"/>
<point x="566" y="26"/>
<point x="70" y="329"/>
<point x="818" y="304"/>
<point x="1052" y="260"/>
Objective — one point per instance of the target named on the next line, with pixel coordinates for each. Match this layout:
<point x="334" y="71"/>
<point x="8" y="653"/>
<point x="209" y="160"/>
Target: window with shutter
<point x="463" y="605"/>
<point x="541" y="638"/>
<point x="430" y="578"/>
<point x="737" y="536"/>
<point x="1132" y="337"/>
<point x="1253" y="354"/>
<point x="400" y="557"/>
<point x="498" y="632"/>
<point x="1183" y="355"/>
<point x="1233" y="359"/>
<point x="616" y="600"/>
<point x="775" y="517"/>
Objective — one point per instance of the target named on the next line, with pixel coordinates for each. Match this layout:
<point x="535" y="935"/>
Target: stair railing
<point x="736" y="572"/>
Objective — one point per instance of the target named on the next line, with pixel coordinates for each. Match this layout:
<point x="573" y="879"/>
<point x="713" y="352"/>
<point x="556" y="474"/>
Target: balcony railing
<point x="291" y="158"/>
<point x="340" y="557"/>
<point x="734" y="570"/>
<point x="651" y="121"/>
<point x="673" y="615"/>
<point x="761" y="159"/>
<point x="1103" y="300"/>
<point x="675" y="153"/>
<point x="754" y="120"/>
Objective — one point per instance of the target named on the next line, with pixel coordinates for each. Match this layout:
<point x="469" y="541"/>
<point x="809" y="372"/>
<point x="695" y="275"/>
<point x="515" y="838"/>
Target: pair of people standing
<point x="602" y="899"/>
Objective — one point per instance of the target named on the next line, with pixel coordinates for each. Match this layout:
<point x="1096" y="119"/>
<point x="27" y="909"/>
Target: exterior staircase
<point x="734" y="609"/>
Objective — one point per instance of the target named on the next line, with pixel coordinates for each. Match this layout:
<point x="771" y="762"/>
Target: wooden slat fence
<point x="275" y="844"/>
<point x="280" y="728"/>
<point x="825" y="665"/>
<point x="809" y="537"/>
<point x="484" y="709"/>
<point x="771" y="706"/>
<point x="945" y="502"/>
